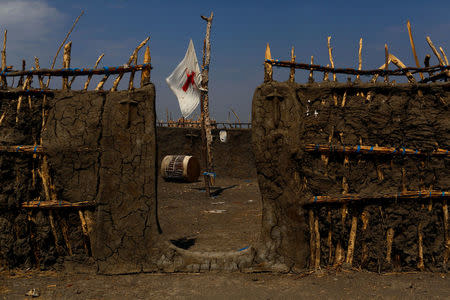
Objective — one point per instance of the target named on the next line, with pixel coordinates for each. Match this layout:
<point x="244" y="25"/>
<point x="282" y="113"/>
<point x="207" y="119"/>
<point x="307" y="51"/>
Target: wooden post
<point x="430" y="43"/>
<point x="4" y="83"/>
<point x="352" y="238"/>
<point x="330" y="54"/>
<point x="145" y="74"/>
<point x="444" y="55"/>
<point x="268" y="72"/>
<point x="88" y="80"/>
<point x="206" y="122"/>
<point x="446" y="237"/>
<point x="131" y="81"/>
<point x="358" y="79"/>
<point x="66" y="64"/>
<point x="292" y="72"/>
<point x="325" y="74"/>
<point x="420" y="264"/>
<point x="312" y="239"/>
<point x="311" y="75"/>
<point x="20" y="82"/>
<point x="386" y="62"/>
<point x="37" y="66"/>
<point x="364" y="250"/>
<point x="389" y="240"/>
<point x="317" y="236"/>
<point x="413" y="47"/>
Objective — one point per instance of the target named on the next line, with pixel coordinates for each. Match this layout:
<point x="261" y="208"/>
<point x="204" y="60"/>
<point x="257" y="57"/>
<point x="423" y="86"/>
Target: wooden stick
<point x="311" y="75"/>
<point x="330" y="54"/>
<point x="344" y="98"/>
<point x="413" y="47"/>
<point x="145" y="74"/>
<point x="130" y="60"/>
<point x="364" y="250"/>
<point x="317" y="241"/>
<point x="373" y="150"/>
<point x="325" y="75"/>
<point x="312" y="239"/>
<point x="356" y="197"/>
<point x="446" y="233"/>
<point x="359" y="59"/>
<point x="239" y="121"/>
<point x="329" y="238"/>
<point x="66" y="64"/>
<point x="206" y="122"/>
<point x="444" y="55"/>
<point x="60" y="46"/>
<point x="54" y="232"/>
<point x="268" y="72"/>
<point x="65" y="232"/>
<point x="131" y="81"/>
<point x="292" y="72"/>
<point x="420" y="264"/>
<point x="401" y="65"/>
<point x="19" y="101"/>
<point x="84" y="229"/>
<point x="55" y="204"/>
<point x="389" y="240"/>
<point x="20" y="82"/>
<point x="3" y="78"/>
<point x="37" y="66"/>
<point x="430" y="43"/>
<point x="382" y="67"/>
<point x="88" y="80"/>
<point x="386" y="62"/>
<point x="351" y="240"/>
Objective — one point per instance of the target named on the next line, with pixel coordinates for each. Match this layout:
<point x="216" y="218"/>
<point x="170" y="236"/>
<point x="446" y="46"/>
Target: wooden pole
<point x="292" y="71"/>
<point x="389" y="240"/>
<point x="359" y="59"/>
<point x="430" y="43"/>
<point x="130" y="60"/>
<point x="3" y="78"/>
<point x="131" y="81"/>
<point x="444" y="55"/>
<point x="66" y="64"/>
<point x="413" y="47"/>
<point x="330" y="54"/>
<point x="37" y="66"/>
<point x="88" y="80"/>
<point x="386" y="62"/>
<point x="311" y="75"/>
<point x="206" y="123"/>
<point x="312" y="239"/>
<point x="145" y="74"/>
<point x="268" y="72"/>
<point x="446" y="233"/>
<point x="20" y="83"/>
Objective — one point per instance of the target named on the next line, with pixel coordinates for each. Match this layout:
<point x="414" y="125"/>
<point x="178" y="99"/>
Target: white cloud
<point x="30" y="24"/>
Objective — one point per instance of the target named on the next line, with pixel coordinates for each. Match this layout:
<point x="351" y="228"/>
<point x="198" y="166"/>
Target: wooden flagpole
<point x="206" y="122"/>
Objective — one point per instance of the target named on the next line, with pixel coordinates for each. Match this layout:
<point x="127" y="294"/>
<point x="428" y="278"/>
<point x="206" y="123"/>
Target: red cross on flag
<point x="185" y="82"/>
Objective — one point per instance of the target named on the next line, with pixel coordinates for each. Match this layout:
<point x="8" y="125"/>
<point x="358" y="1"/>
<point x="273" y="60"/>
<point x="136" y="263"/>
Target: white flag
<point x="185" y="82"/>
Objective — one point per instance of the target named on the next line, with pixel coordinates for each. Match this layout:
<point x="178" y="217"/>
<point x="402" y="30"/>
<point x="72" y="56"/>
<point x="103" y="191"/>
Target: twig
<point x="60" y="46"/>
<point x="445" y="56"/>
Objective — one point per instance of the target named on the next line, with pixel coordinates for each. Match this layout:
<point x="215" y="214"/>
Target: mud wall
<point x="100" y="147"/>
<point x="234" y="158"/>
<point x="288" y="116"/>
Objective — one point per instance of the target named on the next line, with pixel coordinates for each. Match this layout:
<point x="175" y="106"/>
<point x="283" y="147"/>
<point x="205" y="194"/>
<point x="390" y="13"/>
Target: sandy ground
<point x="342" y="285"/>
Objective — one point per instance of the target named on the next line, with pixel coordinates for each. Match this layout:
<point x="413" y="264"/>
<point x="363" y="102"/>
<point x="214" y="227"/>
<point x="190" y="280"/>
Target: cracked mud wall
<point x="101" y="148"/>
<point x="287" y="116"/>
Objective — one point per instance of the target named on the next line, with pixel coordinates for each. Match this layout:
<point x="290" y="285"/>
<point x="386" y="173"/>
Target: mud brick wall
<point x="233" y="158"/>
<point x="101" y="148"/>
<point x="288" y="116"/>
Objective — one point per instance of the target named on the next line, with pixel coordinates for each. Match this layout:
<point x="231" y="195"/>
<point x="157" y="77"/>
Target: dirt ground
<point x="230" y="220"/>
<point x="342" y="285"/>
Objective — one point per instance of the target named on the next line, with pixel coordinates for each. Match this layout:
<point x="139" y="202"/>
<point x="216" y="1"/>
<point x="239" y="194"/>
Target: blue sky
<point x="240" y="32"/>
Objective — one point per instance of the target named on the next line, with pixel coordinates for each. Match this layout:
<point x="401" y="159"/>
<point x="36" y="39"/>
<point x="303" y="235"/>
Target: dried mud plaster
<point x="288" y="116"/>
